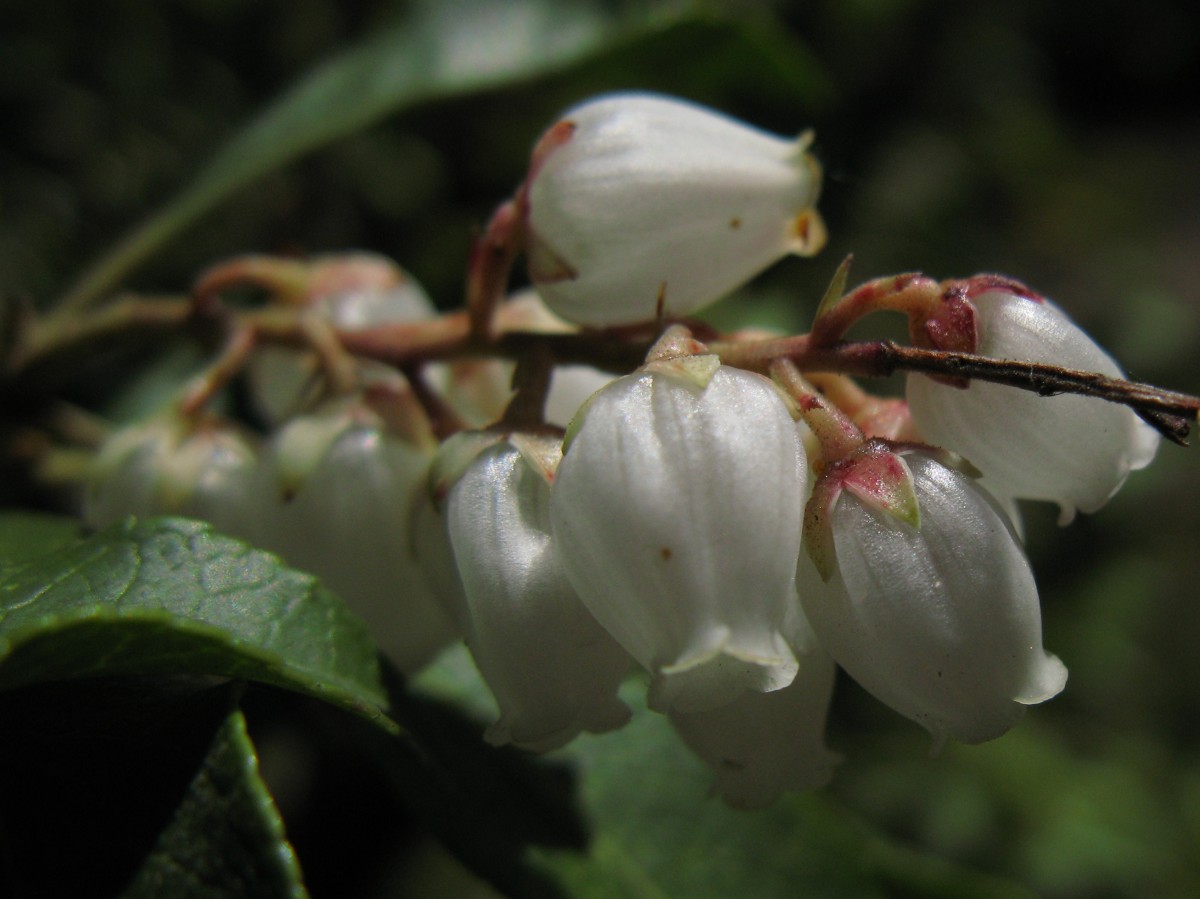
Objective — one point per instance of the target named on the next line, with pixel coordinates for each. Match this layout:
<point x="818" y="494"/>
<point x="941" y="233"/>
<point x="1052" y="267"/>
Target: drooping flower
<point x="336" y="496"/>
<point x="172" y="465"/>
<point x="553" y="669"/>
<point x="927" y="599"/>
<point x="1072" y="450"/>
<point x="637" y="201"/>
<point x="676" y="510"/>
<point x="763" y="744"/>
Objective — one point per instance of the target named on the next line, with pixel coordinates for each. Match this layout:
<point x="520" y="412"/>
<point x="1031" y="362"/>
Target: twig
<point x="617" y="350"/>
<point x="1171" y="413"/>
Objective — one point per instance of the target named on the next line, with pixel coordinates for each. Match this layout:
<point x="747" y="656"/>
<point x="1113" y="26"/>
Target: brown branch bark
<point x="49" y="356"/>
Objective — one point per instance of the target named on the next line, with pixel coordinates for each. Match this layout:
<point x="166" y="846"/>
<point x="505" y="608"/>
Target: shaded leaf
<point x="713" y="58"/>
<point x="657" y="834"/>
<point x="226" y="839"/>
<point x="91" y="773"/>
<point x="170" y="597"/>
<point x="486" y="804"/>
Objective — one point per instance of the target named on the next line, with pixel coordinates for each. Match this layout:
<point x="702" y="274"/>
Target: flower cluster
<point x="733" y="533"/>
<point x="338" y="486"/>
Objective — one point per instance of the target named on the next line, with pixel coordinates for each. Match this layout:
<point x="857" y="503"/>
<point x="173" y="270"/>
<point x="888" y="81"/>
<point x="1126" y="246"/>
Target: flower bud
<point x="170" y="465"/>
<point x="638" y="201"/>
<point x="336" y="496"/>
<point x="762" y="744"/>
<point x="676" y="511"/>
<point x="553" y="670"/>
<point x="1072" y="450"/>
<point x="930" y="605"/>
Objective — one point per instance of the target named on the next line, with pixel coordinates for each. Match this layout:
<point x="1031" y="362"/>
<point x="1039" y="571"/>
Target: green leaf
<point x="658" y="834"/>
<point x="27" y="535"/>
<point x="171" y="597"/>
<point x="91" y="772"/>
<point x="226" y="839"/>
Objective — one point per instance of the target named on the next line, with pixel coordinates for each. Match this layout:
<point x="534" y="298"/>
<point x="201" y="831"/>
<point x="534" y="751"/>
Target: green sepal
<point x="835" y="291"/>
<point x="543" y="452"/>
<point x="697" y="371"/>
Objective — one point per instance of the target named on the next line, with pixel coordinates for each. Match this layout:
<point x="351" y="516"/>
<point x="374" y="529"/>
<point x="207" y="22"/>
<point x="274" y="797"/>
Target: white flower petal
<point x="1072" y="450"/>
<point x="553" y="670"/>
<point x="676" y="512"/>
<point x="652" y="196"/>
<point x="940" y="622"/>
<point x="435" y="557"/>
<point x="349" y="521"/>
<point x="281" y="379"/>
<point x="762" y="744"/>
<point x="570" y="388"/>
<point x="168" y="466"/>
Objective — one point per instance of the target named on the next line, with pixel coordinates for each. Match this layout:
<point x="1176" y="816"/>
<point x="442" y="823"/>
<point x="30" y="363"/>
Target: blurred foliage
<point x="956" y="138"/>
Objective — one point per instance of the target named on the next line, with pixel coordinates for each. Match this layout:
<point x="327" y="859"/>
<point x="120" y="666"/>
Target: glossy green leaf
<point x="226" y="838"/>
<point x="171" y="597"/>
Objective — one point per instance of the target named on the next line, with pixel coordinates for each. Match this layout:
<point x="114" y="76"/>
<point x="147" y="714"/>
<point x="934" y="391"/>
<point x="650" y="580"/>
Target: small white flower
<point x="336" y="496"/>
<point x="676" y="511"/>
<point x="762" y="744"/>
<point x="171" y="466"/>
<point x="553" y="670"/>
<point x="931" y="605"/>
<point x="640" y="199"/>
<point x="1072" y="450"/>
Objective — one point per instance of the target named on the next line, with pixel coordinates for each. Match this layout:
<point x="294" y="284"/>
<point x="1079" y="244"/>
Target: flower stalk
<point x="47" y="359"/>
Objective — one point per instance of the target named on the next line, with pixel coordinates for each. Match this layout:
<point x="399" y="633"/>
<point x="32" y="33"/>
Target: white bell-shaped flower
<point x="637" y="200"/>
<point x="553" y="670"/>
<point x="675" y="510"/>
<point x="336" y="496"/>
<point x="930" y="603"/>
<point x="1072" y="450"/>
<point x="763" y="744"/>
<point x="171" y="465"/>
